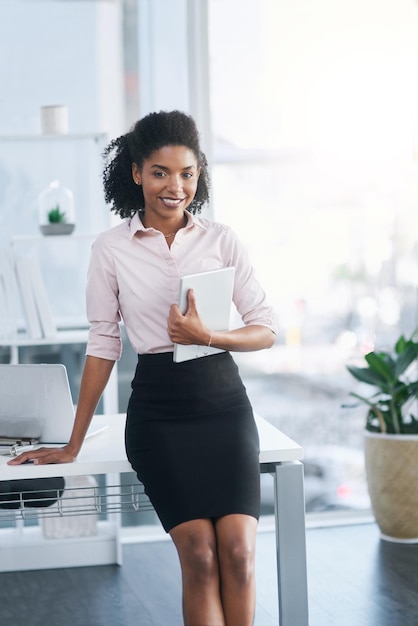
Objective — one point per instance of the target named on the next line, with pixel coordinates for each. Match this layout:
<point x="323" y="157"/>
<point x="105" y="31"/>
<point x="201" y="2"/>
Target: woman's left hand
<point x="187" y="329"/>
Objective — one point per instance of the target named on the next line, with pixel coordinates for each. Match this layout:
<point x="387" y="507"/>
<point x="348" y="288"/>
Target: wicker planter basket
<point x="392" y="477"/>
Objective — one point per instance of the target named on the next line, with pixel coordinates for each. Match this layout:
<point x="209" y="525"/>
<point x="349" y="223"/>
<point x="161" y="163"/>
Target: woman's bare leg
<point x="236" y="538"/>
<point x="197" y="548"/>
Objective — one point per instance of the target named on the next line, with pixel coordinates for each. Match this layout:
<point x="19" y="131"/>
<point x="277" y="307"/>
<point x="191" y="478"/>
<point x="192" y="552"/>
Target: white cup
<point x="54" y="119"/>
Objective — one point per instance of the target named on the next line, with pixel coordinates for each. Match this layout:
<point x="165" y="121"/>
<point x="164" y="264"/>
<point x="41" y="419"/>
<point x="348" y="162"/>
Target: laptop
<point x="213" y="292"/>
<point x="35" y="403"/>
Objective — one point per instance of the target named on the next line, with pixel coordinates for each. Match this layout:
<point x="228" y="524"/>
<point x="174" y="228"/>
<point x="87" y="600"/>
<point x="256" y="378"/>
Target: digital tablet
<point x="213" y="292"/>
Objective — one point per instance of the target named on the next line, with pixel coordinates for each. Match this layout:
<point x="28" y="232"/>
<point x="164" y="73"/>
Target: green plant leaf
<point x="381" y="363"/>
<point x="406" y="357"/>
<point x="388" y="407"/>
<point x="56" y="216"/>
<point x="400" y="344"/>
<point x="366" y="375"/>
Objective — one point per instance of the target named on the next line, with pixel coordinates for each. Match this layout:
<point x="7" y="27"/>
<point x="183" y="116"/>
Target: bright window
<point x="314" y="117"/>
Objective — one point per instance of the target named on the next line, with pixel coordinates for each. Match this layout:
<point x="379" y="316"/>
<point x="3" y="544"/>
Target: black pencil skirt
<point x="191" y="438"/>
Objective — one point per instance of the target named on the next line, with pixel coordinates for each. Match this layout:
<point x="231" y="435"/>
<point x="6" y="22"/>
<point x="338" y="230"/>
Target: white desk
<point x="105" y="454"/>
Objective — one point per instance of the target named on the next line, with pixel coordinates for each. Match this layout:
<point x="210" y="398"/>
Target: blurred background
<point x="309" y="117"/>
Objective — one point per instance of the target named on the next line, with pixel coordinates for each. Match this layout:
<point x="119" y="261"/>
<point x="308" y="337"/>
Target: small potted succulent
<point x="56" y="210"/>
<point x="391" y="436"/>
<point x="56" y="216"/>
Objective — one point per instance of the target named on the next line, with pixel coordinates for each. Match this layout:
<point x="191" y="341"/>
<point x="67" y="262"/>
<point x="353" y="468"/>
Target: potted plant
<point x="56" y="216"/>
<point x="391" y="437"/>
<point x="56" y="211"/>
<point x="57" y="223"/>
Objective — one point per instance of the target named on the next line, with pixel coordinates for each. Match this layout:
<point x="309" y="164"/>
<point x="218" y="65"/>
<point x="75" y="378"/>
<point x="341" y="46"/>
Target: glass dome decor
<point x="56" y="210"/>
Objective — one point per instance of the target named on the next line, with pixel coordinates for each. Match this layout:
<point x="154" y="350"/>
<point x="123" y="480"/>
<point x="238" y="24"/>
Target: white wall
<point x="56" y="52"/>
<point x="61" y="53"/>
<point x="71" y="52"/>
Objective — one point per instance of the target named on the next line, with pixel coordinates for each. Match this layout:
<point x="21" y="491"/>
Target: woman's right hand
<point x="45" y="456"/>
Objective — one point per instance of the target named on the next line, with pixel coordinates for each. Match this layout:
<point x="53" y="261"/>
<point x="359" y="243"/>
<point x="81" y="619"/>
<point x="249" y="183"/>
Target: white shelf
<point x="99" y="136"/>
<point x="23" y="238"/>
<point x="61" y="337"/>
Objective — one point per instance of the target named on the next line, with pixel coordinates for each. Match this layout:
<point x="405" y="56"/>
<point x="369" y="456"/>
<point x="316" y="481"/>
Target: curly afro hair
<point x="152" y="132"/>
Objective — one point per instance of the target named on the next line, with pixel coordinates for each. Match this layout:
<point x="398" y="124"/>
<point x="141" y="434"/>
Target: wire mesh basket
<point x="77" y="499"/>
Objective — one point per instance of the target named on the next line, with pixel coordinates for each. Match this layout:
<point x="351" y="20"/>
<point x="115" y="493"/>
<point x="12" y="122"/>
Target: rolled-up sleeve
<point x="102" y="304"/>
<point x="249" y="297"/>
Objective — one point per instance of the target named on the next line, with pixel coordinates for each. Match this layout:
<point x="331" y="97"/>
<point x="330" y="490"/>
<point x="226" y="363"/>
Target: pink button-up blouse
<point x="134" y="277"/>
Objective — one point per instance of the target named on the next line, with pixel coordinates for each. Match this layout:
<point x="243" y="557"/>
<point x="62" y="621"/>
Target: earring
<point x="138" y="182"/>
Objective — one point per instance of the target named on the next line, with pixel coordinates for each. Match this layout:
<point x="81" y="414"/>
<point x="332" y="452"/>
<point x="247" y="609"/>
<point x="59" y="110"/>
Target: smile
<point x="172" y="202"/>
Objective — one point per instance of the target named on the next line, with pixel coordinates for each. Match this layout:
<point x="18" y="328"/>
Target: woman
<point x="190" y="431"/>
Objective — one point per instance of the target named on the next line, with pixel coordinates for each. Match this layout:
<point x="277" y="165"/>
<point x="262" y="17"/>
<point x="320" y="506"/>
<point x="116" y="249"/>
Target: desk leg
<point x="291" y="544"/>
<point x="114" y="501"/>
